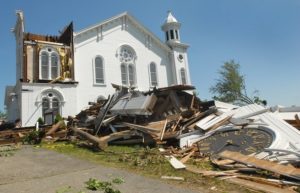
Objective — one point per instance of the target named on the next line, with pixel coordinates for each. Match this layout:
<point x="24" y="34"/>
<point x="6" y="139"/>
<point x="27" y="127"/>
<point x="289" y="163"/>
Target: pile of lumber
<point x="253" y="145"/>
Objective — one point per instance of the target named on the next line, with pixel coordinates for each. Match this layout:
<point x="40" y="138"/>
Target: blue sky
<point x="262" y="35"/>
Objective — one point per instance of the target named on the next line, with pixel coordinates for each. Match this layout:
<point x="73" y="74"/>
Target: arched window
<point x="127" y="58"/>
<point x="44" y="65"/>
<point x="55" y="106"/>
<point x="124" y="74"/>
<point x="99" y="70"/>
<point x="183" y="76"/>
<point x="153" y="74"/>
<point x="49" y="64"/>
<point x="54" y="65"/>
<point x="45" y="105"/>
<point x="131" y="75"/>
<point x="172" y="34"/>
<point x="51" y="105"/>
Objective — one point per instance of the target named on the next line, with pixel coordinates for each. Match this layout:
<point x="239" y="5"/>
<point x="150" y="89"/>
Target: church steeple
<point x="171" y="28"/>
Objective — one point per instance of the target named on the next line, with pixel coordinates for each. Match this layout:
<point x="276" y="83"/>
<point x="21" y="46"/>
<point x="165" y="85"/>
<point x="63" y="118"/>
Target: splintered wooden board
<point x="175" y="162"/>
<point x="258" y="186"/>
<point x="285" y="170"/>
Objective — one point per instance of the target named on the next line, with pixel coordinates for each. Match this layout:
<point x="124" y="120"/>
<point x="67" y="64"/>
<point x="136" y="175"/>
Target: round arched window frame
<point x="127" y="57"/>
<point x="49" y="63"/>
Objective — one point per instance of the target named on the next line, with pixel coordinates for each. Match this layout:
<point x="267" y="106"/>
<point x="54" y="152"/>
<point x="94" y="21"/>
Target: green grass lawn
<point x="145" y="161"/>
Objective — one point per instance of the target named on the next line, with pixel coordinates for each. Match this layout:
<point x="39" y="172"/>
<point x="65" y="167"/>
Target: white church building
<point x="61" y="74"/>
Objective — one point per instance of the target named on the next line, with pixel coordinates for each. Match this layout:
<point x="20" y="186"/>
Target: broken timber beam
<point x="285" y="170"/>
<point x="90" y="137"/>
<point x="103" y="141"/>
<point x="55" y="127"/>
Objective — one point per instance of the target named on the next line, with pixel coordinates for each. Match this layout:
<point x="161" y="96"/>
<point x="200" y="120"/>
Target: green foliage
<point x="41" y="121"/>
<point x="58" y="118"/>
<point x="64" y="190"/>
<point x="256" y="99"/>
<point x="231" y="88"/>
<point x="149" y="162"/>
<point x="143" y="158"/>
<point x="118" y="181"/>
<point x="3" y="115"/>
<point x="231" y="84"/>
<point x="33" y="137"/>
<point x="107" y="187"/>
<point x="6" y="151"/>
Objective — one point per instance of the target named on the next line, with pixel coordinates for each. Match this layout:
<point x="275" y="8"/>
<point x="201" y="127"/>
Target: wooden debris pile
<point x="129" y="117"/>
<point x="253" y="145"/>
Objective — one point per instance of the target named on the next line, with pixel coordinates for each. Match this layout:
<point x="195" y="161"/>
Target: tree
<point x="231" y="84"/>
<point x="2" y="115"/>
<point x="230" y="87"/>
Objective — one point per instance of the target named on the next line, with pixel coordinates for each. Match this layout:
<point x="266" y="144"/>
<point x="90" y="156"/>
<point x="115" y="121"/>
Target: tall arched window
<point x="49" y="64"/>
<point x="54" y="65"/>
<point x="51" y="105"/>
<point x="45" y="105"/>
<point x="99" y="70"/>
<point x="55" y="106"/>
<point x="153" y="74"/>
<point x="44" y="65"/>
<point x="124" y="74"/>
<point x="127" y="58"/>
<point x="183" y="76"/>
<point x="131" y="75"/>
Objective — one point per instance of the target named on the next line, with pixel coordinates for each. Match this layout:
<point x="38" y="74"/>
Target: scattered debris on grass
<point x="188" y="129"/>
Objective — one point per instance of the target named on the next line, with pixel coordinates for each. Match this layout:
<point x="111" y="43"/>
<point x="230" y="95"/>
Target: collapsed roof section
<point x="66" y="36"/>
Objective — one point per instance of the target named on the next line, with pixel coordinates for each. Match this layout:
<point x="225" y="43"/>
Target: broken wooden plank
<point x="220" y="123"/>
<point x="159" y="125"/>
<point x="163" y="130"/>
<point x="142" y="128"/>
<point x="103" y="141"/>
<point x="285" y="170"/>
<point x="215" y="120"/>
<point x="90" y="137"/>
<point x="297" y="119"/>
<point x="211" y="173"/>
<point x="205" y="120"/>
<point x="258" y="186"/>
<point x="187" y="157"/>
<point x="175" y="162"/>
<point x="102" y="113"/>
<point x="172" y="160"/>
<point x="55" y="127"/>
<point x="108" y="120"/>
<point x="172" y="178"/>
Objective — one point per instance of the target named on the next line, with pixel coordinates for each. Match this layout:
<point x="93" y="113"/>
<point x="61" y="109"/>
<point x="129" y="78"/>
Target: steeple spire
<point x="171" y="28"/>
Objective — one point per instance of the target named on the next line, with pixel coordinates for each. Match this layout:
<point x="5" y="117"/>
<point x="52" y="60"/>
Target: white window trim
<point x="127" y="64"/>
<point x="50" y="101"/>
<point x="150" y="81"/>
<point x="94" y="71"/>
<point x="127" y="74"/>
<point x="54" y="51"/>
